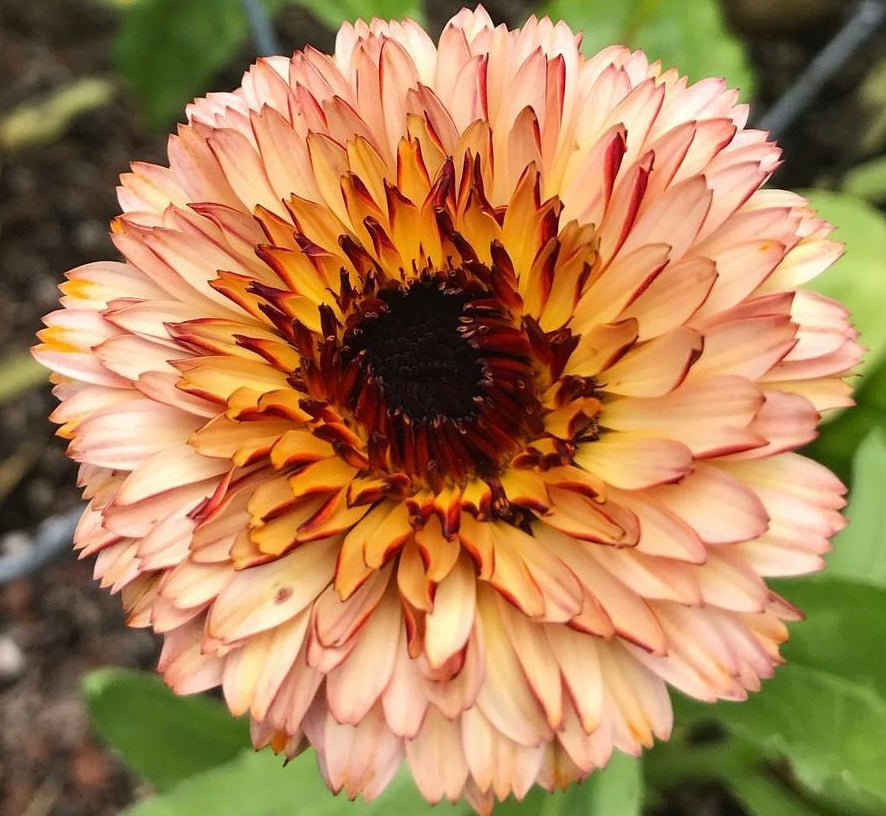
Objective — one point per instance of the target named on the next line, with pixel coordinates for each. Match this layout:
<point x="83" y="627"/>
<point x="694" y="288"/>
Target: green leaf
<point x="690" y="35"/>
<point x="252" y="783"/>
<point x="763" y="795"/>
<point x="678" y="761"/>
<point x="733" y="762"/>
<point x="335" y="12"/>
<point x="256" y="784"/>
<point x="868" y="181"/>
<point x="169" y="50"/>
<point x="830" y="728"/>
<point x="857" y="280"/>
<point x="616" y="790"/>
<point x="164" y="737"/>
<point x="845" y="626"/>
<point x="825" y="709"/>
<point x="860" y="549"/>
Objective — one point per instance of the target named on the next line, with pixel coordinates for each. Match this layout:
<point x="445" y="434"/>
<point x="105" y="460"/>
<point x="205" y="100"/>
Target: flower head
<point x="443" y="405"/>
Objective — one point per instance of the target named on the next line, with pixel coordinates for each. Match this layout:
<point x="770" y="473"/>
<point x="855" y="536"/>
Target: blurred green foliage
<point x="688" y="34"/>
<point x="33" y="124"/>
<point x="333" y="12"/>
<point x="868" y="181"/>
<point x="164" y="737"/>
<point x="256" y="784"/>
<point x="859" y="550"/>
<point x="616" y="790"/>
<point x="167" y="51"/>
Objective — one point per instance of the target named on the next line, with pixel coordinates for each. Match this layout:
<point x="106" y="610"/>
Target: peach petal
<point x="531" y="647"/>
<point x="505" y="698"/>
<point x="353" y="687"/>
<point x="184" y="666"/>
<point x="712" y="416"/>
<point x="404" y="709"/>
<point x="449" y="622"/>
<point x="709" y="497"/>
<point x="261" y="597"/>
<point x="436" y="759"/>
<point x="678" y="293"/>
<point x="630" y="461"/>
<point x="106" y="437"/>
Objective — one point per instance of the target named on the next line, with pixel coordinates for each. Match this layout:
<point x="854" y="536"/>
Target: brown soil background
<point x="55" y="204"/>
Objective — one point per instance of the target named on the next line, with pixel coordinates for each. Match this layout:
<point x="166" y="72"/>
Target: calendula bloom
<point x="443" y="406"/>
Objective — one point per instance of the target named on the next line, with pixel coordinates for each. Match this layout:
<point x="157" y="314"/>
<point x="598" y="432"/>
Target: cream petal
<point x="698" y="661"/>
<point x="168" y="543"/>
<point x="267" y="595"/>
<point x="728" y="581"/>
<point x="578" y="659"/>
<point x="650" y="576"/>
<point x="336" y="621"/>
<point x="807" y="260"/>
<point x="505" y="698"/>
<point x="453" y="688"/>
<point x="403" y="703"/>
<point x="243" y="169"/>
<point x="637" y="698"/>
<point x="676" y="217"/>
<point x="149" y="188"/>
<point x="130" y="356"/>
<point x="584" y="752"/>
<point x="631" y="617"/>
<point x="601" y="347"/>
<point x="296" y="693"/>
<point x="280" y="658"/>
<point x="174" y="467"/>
<point x="786" y="421"/>
<point x="620" y="284"/>
<point x="185" y="667"/>
<point x="436" y="758"/>
<point x="191" y="586"/>
<point x="360" y="758"/>
<point x="741" y="268"/>
<point x="661" y="532"/>
<point x="448" y="624"/>
<point x="745" y="348"/>
<point x="140" y="518"/>
<point x="656" y="367"/>
<point x="106" y="437"/>
<point x="576" y="514"/>
<point x="631" y="461"/>
<point x="670" y="300"/>
<point x="531" y="647"/>
<point x="196" y="169"/>
<point x="712" y="416"/>
<point x="353" y="687"/>
<point x="717" y="505"/>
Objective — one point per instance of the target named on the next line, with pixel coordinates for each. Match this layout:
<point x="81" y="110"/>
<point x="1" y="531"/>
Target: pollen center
<point x="435" y="373"/>
<point x="415" y="347"/>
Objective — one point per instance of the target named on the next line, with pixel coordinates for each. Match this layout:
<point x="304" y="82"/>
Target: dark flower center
<point x="437" y="375"/>
<point x="417" y="351"/>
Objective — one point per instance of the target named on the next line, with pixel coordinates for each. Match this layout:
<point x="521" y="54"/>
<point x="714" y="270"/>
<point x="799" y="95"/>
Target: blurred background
<point x="88" y="85"/>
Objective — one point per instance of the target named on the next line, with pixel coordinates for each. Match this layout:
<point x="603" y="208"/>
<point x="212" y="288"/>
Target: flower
<point x="444" y="404"/>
